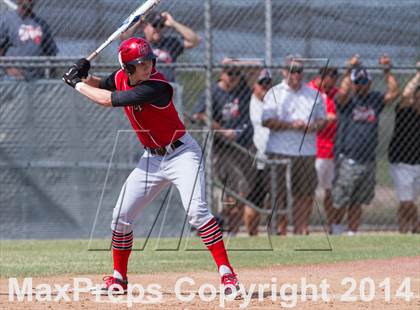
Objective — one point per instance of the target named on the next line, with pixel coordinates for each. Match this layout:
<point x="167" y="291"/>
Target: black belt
<point x="162" y="150"/>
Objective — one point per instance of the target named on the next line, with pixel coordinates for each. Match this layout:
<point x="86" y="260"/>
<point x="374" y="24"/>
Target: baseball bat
<point x="133" y="18"/>
<point x="11" y="4"/>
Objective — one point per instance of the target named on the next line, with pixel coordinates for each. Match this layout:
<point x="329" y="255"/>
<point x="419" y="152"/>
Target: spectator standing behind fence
<point x="230" y="105"/>
<point x="287" y="113"/>
<point x="358" y="110"/>
<point x="167" y="48"/>
<point x="404" y="155"/>
<point x="22" y="33"/>
<point x="325" y="82"/>
<point x="261" y="175"/>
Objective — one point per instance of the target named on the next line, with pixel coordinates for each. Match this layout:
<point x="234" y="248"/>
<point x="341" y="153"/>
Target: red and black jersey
<point x="149" y="107"/>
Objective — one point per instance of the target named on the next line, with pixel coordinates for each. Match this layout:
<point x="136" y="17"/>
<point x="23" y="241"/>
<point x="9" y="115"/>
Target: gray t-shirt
<point x="26" y="36"/>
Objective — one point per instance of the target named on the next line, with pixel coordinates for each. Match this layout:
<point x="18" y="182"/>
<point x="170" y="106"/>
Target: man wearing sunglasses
<point x="294" y="113"/>
<point x="167" y="48"/>
<point x="358" y="110"/>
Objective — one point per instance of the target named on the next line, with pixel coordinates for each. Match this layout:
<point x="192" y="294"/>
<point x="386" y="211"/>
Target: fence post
<point x="289" y="191"/>
<point x="272" y="226"/>
<point x="209" y="112"/>
<point x="308" y="30"/>
<point x="268" y="32"/>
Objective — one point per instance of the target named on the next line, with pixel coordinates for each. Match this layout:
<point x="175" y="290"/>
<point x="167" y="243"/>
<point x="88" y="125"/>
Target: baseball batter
<point x="171" y="154"/>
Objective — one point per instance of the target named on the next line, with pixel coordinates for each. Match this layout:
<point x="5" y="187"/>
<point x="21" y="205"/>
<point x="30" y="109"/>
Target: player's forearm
<point x="99" y="96"/>
<point x="93" y="81"/>
<point x="191" y="39"/>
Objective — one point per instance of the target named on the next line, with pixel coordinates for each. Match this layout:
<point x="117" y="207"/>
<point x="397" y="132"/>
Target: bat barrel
<point x="11" y="4"/>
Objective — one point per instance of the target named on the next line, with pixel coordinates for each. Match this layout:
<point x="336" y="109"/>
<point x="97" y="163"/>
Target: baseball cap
<point x="264" y="76"/>
<point x="155" y="19"/>
<point x="360" y="76"/>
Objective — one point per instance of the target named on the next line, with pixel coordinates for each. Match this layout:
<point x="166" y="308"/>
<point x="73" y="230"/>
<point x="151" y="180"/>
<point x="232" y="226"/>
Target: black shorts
<point x="260" y="186"/>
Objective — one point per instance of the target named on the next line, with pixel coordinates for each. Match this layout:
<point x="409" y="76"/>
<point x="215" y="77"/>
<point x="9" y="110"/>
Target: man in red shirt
<point x="171" y="155"/>
<point x="325" y="82"/>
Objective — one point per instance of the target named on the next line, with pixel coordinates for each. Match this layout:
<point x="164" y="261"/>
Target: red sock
<point x="213" y="238"/>
<point x="121" y="249"/>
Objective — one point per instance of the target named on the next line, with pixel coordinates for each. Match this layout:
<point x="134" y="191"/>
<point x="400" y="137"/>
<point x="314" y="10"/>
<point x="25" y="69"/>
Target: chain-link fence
<point x="56" y="147"/>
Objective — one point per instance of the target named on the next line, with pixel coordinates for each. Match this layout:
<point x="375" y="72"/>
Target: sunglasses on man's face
<point x="233" y="73"/>
<point x="265" y="82"/>
<point x="298" y="70"/>
<point x="158" y="25"/>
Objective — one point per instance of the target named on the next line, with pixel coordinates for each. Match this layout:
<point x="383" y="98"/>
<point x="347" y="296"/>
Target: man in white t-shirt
<point x="260" y="175"/>
<point x="294" y="113"/>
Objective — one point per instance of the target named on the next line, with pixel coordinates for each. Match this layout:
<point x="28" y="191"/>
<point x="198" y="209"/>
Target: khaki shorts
<point x="303" y="175"/>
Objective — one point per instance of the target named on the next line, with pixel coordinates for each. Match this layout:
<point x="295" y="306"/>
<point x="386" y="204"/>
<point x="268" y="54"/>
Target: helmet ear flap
<point x="128" y="68"/>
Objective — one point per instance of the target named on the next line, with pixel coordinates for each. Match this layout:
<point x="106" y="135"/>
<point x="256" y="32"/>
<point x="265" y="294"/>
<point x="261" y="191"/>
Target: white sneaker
<point x="351" y="233"/>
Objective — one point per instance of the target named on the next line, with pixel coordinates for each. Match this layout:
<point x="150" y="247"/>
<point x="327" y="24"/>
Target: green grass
<point x="39" y="258"/>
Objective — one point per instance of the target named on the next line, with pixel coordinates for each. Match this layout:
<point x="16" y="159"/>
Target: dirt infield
<point x="275" y="278"/>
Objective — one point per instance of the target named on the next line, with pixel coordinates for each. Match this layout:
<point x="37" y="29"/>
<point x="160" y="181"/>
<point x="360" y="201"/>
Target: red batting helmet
<point x="133" y="51"/>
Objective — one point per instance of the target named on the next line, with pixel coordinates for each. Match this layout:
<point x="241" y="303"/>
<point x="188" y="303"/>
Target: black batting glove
<point x="72" y="76"/>
<point x="83" y="67"/>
